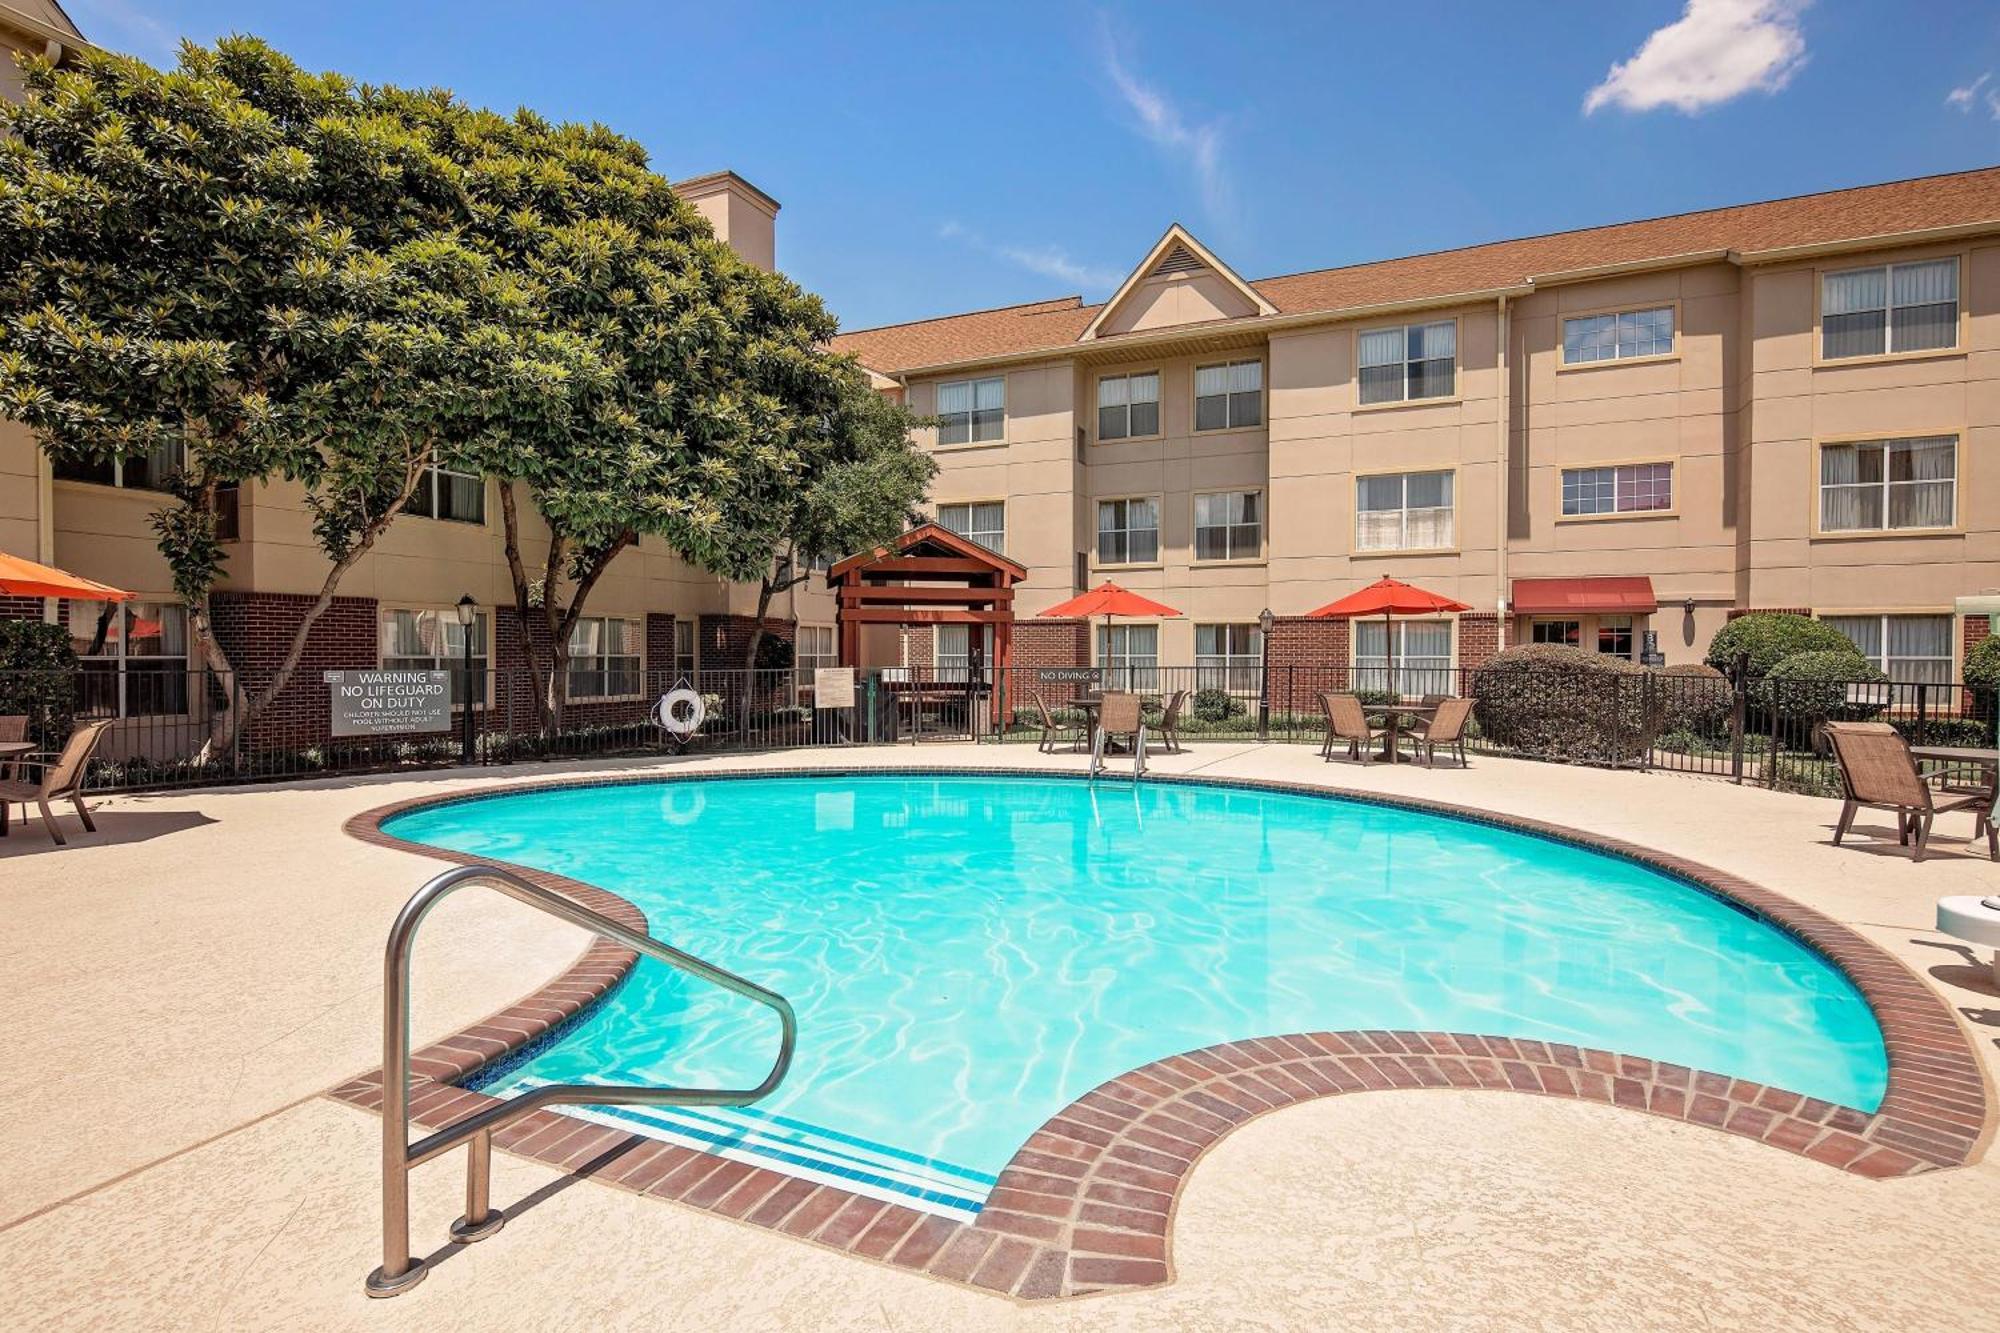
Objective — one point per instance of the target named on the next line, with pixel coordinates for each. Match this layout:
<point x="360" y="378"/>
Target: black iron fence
<point x="188" y="727"/>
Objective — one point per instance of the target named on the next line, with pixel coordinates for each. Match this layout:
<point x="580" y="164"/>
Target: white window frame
<point x="1127" y="530"/>
<point x="1229" y="397"/>
<point x="1889" y="309"/>
<point x="1230" y="529"/>
<point x="1125" y="379"/>
<point x="1617" y="471"/>
<point x="1402" y="331"/>
<point x="432" y="483"/>
<point x="118" y="474"/>
<point x="971" y="508"/>
<point x="1123" y="668"/>
<point x="1402" y="542"/>
<point x="1229" y="656"/>
<point x="1619" y="349"/>
<point x="1947" y="661"/>
<point x="972" y="425"/>
<point x="1371" y="671"/>
<point x="954" y="665"/>
<point x="1540" y="625"/>
<point x="1613" y="623"/>
<point x="444" y="657"/>
<point x="120" y="661"/>
<point x="603" y="662"/>
<point x="1886" y="486"/>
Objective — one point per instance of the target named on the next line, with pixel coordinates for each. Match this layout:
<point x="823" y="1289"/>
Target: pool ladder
<point x="400" y="1271"/>
<point x="1098" y="741"/>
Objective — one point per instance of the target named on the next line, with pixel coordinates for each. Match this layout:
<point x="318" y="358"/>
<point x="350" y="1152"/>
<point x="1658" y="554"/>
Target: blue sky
<point x="932" y="159"/>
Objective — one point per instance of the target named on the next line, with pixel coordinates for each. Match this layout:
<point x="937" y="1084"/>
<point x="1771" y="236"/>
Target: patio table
<point x="1987" y="761"/>
<point x="1394" y="714"/>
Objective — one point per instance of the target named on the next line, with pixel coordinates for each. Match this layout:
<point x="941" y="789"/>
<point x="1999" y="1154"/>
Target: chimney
<point x="743" y="216"/>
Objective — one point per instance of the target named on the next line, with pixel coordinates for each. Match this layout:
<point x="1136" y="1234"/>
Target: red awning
<point x="1543" y="597"/>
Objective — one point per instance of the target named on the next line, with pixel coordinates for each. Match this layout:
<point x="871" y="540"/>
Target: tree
<point x="259" y="273"/>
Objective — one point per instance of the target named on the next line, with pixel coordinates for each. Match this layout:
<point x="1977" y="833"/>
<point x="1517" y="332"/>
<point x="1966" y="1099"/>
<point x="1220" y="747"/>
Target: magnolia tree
<point x="263" y="274"/>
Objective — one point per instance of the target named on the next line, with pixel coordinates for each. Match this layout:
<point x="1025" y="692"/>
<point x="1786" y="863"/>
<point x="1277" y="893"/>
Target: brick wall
<point x="1307" y="656"/>
<point x="1047" y="643"/>
<point x="1974" y="631"/>
<point x="255" y="629"/>
<point x="1478" y="639"/>
<point x="20" y="608"/>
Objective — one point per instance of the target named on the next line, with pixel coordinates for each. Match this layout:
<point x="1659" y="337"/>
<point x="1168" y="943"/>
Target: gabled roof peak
<point x="1177" y="251"/>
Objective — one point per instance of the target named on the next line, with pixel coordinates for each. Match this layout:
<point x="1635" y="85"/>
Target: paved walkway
<point x="188" y="980"/>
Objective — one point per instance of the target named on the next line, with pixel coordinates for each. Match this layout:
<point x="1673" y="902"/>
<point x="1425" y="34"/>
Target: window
<point x="134" y="658"/>
<point x="1565" y="633"/>
<point x="1128" y="532"/>
<point x="1628" y="333"/>
<point x="686" y="663"/>
<point x="1887" y="485"/>
<point x="138" y="472"/>
<point x="1409" y="362"/>
<point x="1403" y="511"/>
<point x="971" y="411"/>
<point x="457" y="497"/>
<point x="1128" y="406"/>
<point x="1228" y="657"/>
<point x="1614" y="636"/>
<point x="432" y="641"/>
<point x="1130" y="656"/>
<point x="1909" y="650"/>
<point x="1229" y="526"/>
<point x="1422" y="656"/>
<point x="984" y="521"/>
<point x="603" y="658"/>
<point x="1229" y="396"/>
<point x="1889" y="308"/>
<point x="954" y="652"/>
<point x="814" y="650"/>
<point x="1629" y="488"/>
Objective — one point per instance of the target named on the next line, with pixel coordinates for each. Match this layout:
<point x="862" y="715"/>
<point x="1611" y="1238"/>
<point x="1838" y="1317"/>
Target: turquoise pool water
<point x="968" y="954"/>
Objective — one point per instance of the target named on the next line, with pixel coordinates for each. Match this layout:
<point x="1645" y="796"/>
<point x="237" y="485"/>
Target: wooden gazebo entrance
<point x="929" y="576"/>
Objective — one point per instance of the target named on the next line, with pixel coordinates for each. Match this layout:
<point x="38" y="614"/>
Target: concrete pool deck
<point x="188" y="981"/>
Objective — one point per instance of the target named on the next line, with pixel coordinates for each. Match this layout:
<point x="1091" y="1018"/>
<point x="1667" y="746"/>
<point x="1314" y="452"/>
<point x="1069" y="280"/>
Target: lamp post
<point x="1265" y="620"/>
<point x="468" y="611"/>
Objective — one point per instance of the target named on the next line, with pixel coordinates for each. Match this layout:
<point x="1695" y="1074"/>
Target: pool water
<point x="968" y="954"/>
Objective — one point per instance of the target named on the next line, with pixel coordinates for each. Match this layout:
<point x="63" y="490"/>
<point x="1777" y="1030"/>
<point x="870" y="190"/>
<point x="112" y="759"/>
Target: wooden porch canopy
<point x="909" y="581"/>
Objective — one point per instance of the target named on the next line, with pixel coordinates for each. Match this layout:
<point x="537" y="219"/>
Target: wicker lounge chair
<point x="62" y="778"/>
<point x="1055" y="733"/>
<point x="1878" y="772"/>
<point x="1444" y="728"/>
<point x="1170" y="721"/>
<point x="1347" y="721"/>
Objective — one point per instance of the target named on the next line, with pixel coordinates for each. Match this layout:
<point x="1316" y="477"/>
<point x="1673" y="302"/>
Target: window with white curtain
<point x="1129" y="656"/>
<point x="149" y="471"/>
<point x="984" y="521"/>
<point x="1409" y="362"/>
<point x="1619" y="336"/>
<point x="1128" y="406"/>
<point x="954" y="652"/>
<point x="1128" y="532"/>
<point x="1889" y="308"/>
<point x="132" y="656"/>
<point x="1229" y="526"/>
<point x="456" y="497"/>
<point x="1889" y="485"/>
<point x="432" y="640"/>
<point x="971" y="411"/>
<point x="604" y="658"/>
<point x="1629" y="488"/>
<point x="686" y="656"/>
<point x="1228" y="657"/>
<point x="1422" y="656"/>
<point x="1909" y="650"/>
<point x="1230" y="396"/>
<point x="1403" y="511"/>
<point x="815" y="648"/>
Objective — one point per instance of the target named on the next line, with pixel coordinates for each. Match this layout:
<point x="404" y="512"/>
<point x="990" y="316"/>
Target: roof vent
<point x="1180" y="259"/>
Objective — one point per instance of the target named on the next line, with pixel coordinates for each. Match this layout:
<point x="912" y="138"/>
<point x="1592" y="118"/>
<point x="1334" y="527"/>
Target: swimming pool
<point x="967" y="954"/>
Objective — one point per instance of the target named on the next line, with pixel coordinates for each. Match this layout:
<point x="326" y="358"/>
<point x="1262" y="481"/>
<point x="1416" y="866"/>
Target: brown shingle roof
<point x="1815" y="219"/>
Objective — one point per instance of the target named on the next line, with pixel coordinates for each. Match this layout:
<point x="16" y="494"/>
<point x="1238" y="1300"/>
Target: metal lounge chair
<point x="1120" y="716"/>
<point x="1170" y="721"/>
<point x="62" y="778"/>
<point x="1878" y="772"/>
<point x="1053" y="732"/>
<point x="1444" y="728"/>
<point x="1347" y="721"/>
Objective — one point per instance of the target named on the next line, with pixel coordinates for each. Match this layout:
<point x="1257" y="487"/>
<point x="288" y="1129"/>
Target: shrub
<point x="1982" y="664"/>
<point x="38" y="677"/>
<point x="774" y="653"/>
<point x="1770" y="637"/>
<point x="1564" y="703"/>
<point x="1814" y="688"/>
<point x="1696" y="698"/>
<point x="1216" y="705"/>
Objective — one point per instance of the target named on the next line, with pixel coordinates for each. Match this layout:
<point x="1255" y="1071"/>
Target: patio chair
<point x="1347" y="721"/>
<point x="62" y="777"/>
<point x="1055" y="733"/>
<point x="13" y="727"/>
<point x="1444" y="728"/>
<point x="1170" y="721"/>
<point x="1877" y="771"/>
<point x="1120" y="716"/>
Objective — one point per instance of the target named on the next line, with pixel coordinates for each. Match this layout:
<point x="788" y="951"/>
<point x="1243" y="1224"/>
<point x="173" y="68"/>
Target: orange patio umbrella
<point x="1388" y="598"/>
<point x="24" y="578"/>
<point x="1107" y="599"/>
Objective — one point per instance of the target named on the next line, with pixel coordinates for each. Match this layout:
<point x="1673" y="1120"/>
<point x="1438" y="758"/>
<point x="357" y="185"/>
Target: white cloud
<point x="1976" y="95"/>
<point x="120" y="25"/>
<point x="1051" y="261"/>
<point x="1716" y="51"/>
<point x="1197" y="146"/>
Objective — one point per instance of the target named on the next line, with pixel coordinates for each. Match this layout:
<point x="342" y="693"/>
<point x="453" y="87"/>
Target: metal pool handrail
<point x="400" y="1271"/>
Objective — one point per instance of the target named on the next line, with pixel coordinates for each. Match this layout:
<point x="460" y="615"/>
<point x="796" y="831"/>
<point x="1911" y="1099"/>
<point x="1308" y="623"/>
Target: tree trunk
<point x="511" y="526"/>
<point x="222" y="725"/>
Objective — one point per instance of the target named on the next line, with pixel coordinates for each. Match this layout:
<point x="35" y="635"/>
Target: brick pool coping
<point x="1086" y="1204"/>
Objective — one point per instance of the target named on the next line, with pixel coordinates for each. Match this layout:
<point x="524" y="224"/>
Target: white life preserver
<point x="680" y="712"/>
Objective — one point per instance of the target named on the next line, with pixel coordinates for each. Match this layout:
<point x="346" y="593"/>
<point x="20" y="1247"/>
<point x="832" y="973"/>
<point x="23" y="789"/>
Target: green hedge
<point x="1571" y="704"/>
<point x="1770" y="637"/>
<point x="38" y="677"/>
<point x="1813" y="687"/>
<point x="1697" y="699"/>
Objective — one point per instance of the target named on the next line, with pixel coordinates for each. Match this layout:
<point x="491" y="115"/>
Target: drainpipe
<point x="1505" y="475"/>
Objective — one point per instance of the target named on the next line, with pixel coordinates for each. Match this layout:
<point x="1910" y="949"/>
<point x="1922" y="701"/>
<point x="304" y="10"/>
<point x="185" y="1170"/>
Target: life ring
<point x="680" y="712"/>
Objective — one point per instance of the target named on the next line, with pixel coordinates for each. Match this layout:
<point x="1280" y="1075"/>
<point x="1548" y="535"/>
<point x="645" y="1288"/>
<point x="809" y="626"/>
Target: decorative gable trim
<point x="1176" y="252"/>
